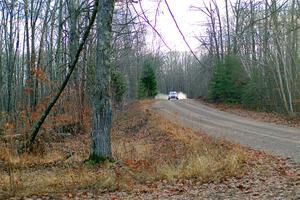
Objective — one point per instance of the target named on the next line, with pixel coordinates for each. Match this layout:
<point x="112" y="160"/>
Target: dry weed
<point x="146" y="146"/>
<point x="171" y="151"/>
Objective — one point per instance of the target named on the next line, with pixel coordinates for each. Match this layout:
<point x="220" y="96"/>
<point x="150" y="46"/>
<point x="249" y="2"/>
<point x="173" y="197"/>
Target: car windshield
<point x="173" y="93"/>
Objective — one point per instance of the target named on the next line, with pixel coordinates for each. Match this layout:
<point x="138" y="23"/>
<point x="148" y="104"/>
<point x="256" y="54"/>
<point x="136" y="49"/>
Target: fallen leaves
<point x="145" y="144"/>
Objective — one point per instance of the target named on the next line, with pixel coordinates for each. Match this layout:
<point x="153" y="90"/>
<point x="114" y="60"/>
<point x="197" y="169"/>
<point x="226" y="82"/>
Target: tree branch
<point x="144" y="17"/>
<point x="30" y="142"/>
<point x="183" y="37"/>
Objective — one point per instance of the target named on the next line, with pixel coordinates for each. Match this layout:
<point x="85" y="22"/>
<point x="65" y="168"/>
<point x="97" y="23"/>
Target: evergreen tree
<point x="118" y="85"/>
<point x="254" y="95"/>
<point x="147" y="82"/>
<point x="228" y="81"/>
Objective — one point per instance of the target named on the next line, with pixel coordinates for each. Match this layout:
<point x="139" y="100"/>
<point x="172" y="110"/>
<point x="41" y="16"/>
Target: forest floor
<point x="155" y="158"/>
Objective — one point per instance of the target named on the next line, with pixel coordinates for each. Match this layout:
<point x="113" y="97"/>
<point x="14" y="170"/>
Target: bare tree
<point x="101" y="99"/>
<point x="30" y="142"/>
<point x="264" y="37"/>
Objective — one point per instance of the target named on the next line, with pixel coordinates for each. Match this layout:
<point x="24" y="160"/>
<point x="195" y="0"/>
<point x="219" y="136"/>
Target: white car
<point x="173" y="95"/>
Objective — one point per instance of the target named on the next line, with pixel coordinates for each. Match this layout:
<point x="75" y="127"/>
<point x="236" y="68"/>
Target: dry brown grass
<point x="30" y="174"/>
<point x="170" y="152"/>
<point x="204" y="157"/>
<point x="146" y="146"/>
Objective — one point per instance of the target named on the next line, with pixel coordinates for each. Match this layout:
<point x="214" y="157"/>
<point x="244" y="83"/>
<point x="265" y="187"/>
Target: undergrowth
<point x="146" y="148"/>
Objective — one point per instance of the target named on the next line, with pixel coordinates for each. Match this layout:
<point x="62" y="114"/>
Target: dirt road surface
<point x="276" y="139"/>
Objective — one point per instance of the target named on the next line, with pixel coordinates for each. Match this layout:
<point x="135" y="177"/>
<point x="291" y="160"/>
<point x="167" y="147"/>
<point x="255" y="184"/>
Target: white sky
<point x="187" y="19"/>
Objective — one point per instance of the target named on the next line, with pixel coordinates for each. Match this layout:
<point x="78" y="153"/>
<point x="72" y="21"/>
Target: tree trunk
<point x="10" y="61"/>
<point x="220" y="29"/>
<point x="29" y="145"/>
<point x="101" y="99"/>
<point x="73" y="9"/>
<point x="214" y="32"/>
<point x="1" y="74"/>
<point x="252" y="24"/>
<point x="228" y="27"/>
<point x="29" y="81"/>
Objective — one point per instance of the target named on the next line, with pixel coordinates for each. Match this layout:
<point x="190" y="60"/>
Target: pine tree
<point x="228" y="81"/>
<point x="118" y="85"/>
<point x="147" y="82"/>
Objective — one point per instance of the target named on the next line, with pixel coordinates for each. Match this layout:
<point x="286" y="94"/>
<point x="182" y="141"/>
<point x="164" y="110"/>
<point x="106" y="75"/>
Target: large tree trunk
<point x="1" y="74"/>
<point x="101" y="100"/>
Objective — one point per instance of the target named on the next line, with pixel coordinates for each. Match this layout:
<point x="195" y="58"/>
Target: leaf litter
<point x="155" y="159"/>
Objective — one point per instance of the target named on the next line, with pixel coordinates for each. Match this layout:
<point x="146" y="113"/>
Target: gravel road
<point x="276" y="139"/>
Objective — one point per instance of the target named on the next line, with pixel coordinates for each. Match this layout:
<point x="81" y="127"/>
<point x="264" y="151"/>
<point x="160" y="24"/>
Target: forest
<point x="68" y="66"/>
<point x="258" y="39"/>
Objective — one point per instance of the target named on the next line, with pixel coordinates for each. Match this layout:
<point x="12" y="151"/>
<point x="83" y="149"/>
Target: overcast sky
<point x="187" y="19"/>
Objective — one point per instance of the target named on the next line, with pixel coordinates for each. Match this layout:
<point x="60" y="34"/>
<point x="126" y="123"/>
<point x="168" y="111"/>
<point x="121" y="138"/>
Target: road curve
<point x="276" y="139"/>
